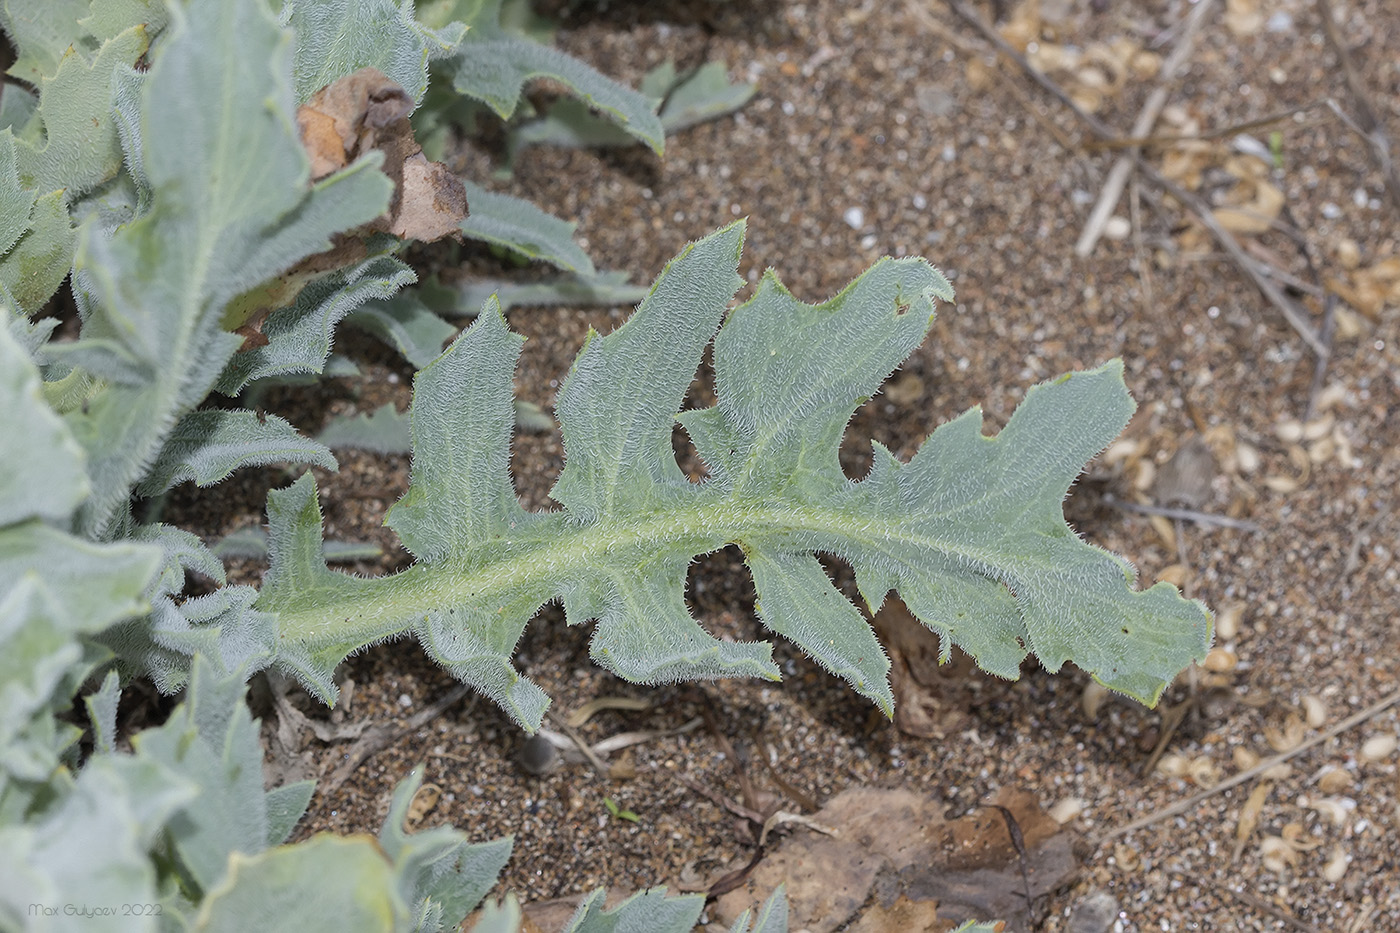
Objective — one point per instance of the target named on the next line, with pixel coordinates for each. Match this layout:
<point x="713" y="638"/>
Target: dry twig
<point x="1186" y="515"/>
<point x="1181" y="806"/>
<point x="381" y="735"/>
<point x="1370" y="124"/>
<point x="1295" y="316"/>
<point x="1259" y="904"/>
<point x="598" y="764"/>
<point x="1118" y="175"/>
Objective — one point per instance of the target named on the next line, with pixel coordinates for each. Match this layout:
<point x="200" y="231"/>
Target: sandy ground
<point x="889" y="128"/>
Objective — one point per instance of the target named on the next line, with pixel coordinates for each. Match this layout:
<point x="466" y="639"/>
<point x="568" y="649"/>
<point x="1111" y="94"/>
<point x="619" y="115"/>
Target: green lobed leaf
<point x="969" y="532"/>
<point x="383" y="431"/>
<point x="91" y="849"/>
<point x="705" y="94"/>
<point x="648" y="910"/>
<point x="492" y="67"/>
<point x="605" y="288"/>
<point x="212" y="739"/>
<point x="687" y="100"/>
<point x="303" y="887"/>
<point x="207" y="446"/>
<point x="36" y="266"/>
<point x="407" y="325"/>
<point x="339" y="37"/>
<point x="79" y="148"/>
<point x="251" y="543"/>
<point x="16" y="201"/>
<point x="112" y="17"/>
<point x="522" y="227"/>
<point x="17" y="105"/>
<point x="222" y="156"/>
<point x="42" y="33"/>
<point x="300" y="335"/>
<point x="441" y="875"/>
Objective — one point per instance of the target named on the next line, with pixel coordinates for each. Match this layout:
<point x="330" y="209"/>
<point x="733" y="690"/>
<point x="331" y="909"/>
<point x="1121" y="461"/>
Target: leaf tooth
<point x="645" y="633"/>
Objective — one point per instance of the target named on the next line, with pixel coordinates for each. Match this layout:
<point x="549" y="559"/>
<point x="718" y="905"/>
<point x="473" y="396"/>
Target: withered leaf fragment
<point x="364" y="111"/>
<point x="346" y="119"/>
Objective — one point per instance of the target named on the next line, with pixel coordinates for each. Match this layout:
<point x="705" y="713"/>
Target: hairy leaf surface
<point x="339" y="37"/>
<point x="520" y="226"/>
<point x="231" y="209"/>
<point x="407" y="325"/>
<point x="492" y="66"/>
<point x="969" y="532"/>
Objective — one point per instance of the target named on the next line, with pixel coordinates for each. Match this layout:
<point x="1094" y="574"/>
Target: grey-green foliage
<point x="339" y="37"/>
<point x="969" y="532"/>
<point x="493" y="64"/>
<point x="182" y="824"/>
<point x="686" y="100"/>
<point x="221" y="222"/>
<point x="64" y="139"/>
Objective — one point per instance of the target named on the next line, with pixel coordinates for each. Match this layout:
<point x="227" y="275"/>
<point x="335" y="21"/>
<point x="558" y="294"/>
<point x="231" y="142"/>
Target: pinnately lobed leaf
<point x="969" y="533"/>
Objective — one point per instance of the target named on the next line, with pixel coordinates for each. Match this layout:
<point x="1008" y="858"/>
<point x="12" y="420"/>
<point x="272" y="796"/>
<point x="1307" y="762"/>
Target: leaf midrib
<point x="341" y="610"/>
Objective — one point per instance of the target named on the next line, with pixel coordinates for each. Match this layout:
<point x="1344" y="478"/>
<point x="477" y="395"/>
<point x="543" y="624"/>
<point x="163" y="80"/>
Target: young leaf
<point x="492" y="66"/>
<point x="337" y="38"/>
<point x="521" y="226"/>
<point x="969" y="532"/>
<point x="440" y="873"/>
<point x="383" y="431"/>
<point x="407" y="325"/>
<point x="102" y="713"/>
<point x="206" y="446"/>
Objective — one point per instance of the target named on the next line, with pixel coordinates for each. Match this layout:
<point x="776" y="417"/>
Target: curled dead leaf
<point x="1378" y="747"/>
<point x="1336" y="866"/>
<point x="367" y="111"/>
<point x="1286" y="737"/>
<point x="1314" y="711"/>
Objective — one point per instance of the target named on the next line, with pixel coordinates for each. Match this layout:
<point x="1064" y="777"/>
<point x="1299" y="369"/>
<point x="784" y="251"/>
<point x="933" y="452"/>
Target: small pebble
<point x="1377" y="747"/>
<point x="1117" y="228"/>
<point x="537" y="755"/>
<point x="1094" y="913"/>
<point x="854" y="218"/>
